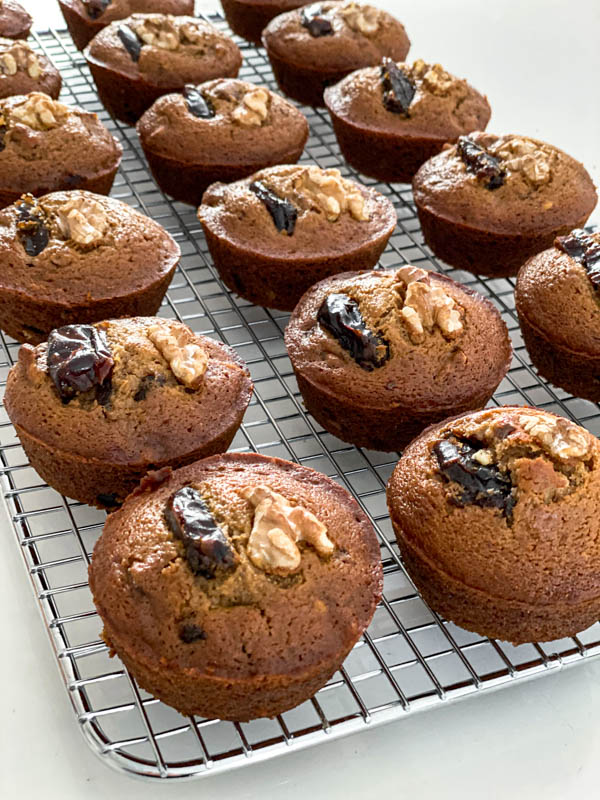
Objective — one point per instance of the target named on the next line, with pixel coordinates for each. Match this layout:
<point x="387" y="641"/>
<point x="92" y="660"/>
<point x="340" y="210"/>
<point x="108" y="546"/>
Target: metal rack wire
<point x="409" y="659"/>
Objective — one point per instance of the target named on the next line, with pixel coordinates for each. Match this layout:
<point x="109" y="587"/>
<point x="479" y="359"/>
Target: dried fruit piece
<point x="486" y="167"/>
<point x="484" y="485"/>
<point x="197" y="104"/>
<point x="95" y="8"/>
<point x="340" y="315"/>
<point x="131" y="41"/>
<point x="79" y="359"/>
<point x="398" y="89"/>
<point x="283" y="213"/>
<point x="206" y="546"/>
<point x="315" y="22"/>
<point x="32" y="225"/>
<point x="585" y="249"/>
<point x="189" y="633"/>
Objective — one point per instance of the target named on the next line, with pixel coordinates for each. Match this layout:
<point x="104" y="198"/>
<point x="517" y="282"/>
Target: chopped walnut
<point x="424" y="306"/>
<point x="483" y="457"/>
<point x="40" y="112"/>
<point x="158" y="31"/>
<point x="524" y="156"/>
<point x="331" y="193"/>
<point x="362" y="19"/>
<point x="20" y="56"/>
<point x="83" y="220"/>
<point x="277" y="527"/>
<point x="187" y="360"/>
<point x="254" y="108"/>
<point x="562" y="438"/>
<point x="192" y="33"/>
<point x="434" y="78"/>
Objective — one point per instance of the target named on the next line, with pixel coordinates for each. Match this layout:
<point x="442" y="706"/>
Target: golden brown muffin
<point x="559" y="311"/>
<point x="380" y="355"/>
<point x="317" y="45"/>
<point x="86" y="18"/>
<point x="497" y="518"/>
<point x="221" y="130"/>
<point x="73" y="257"/>
<point x="15" y="22"/>
<point x="136" y="60"/>
<point x="97" y="406"/>
<point x="46" y="146"/>
<point x="22" y="70"/>
<point x="391" y="118"/>
<point x="490" y="202"/>
<point x="236" y="588"/>
<point x="273" y="235"/>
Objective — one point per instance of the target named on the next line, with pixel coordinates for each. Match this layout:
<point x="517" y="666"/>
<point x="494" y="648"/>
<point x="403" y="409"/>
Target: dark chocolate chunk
<point x="483" y="486"/>
<point x="206" y="546"/>
<point x="485" y="166"/>
<point x="108" y="500"/>
<point x="283" y="213"/>
<point x="32" y="225"/>
<point x="189" y="633"/>
<point x="131" y="41"/>
<point x="79" y="359"/>
<point x="315" y="22"/>
<point x="146" y="383"/>
<point x="585" y="249"/>
<point x="95" y="8"/>
<point x="398" y="89"/>
<point x="340" y="315"/>
<point x="197" y="104"/>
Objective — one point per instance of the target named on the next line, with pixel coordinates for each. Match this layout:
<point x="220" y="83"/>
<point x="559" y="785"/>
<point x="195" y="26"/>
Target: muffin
<point x="248" y="18"/>
<point x="136" y="60"/>
<point x="557" y="302"/>
<point x="46" y="146"/>
<point x="317" y="45"/>
<point x="222" y="130"/>
<point x="273" y="235"/>
<point x="380" y="355"/>
<point x="22" y="70"/>
<point x="391" y="118"/>
<point x="236" y="588"/>
<point x="74" y="257"/>
<point x="97" y="406"/>
<point x="15" y="22"/>
<point x="497" y="518"/>
<point x="490" y="202"/>
<point x="85" y="18"/>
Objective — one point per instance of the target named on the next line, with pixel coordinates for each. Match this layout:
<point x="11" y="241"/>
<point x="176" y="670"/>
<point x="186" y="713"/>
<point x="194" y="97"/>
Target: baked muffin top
<point x="165" y="50"/>
<point x="403" y="337"/>
<point x="41" y="138"/>
<point x="291" y="577"/>
<point x="336" y="36"/>
<point x="76" y="247"/>
<point x="505" y="500"/>
<point x="416" y="99"/>
<point x="507" y="184"/>
<point x="558" y="292"/>
<point x="106" y="11"/>
<point x="222" y="121"/>
<point x="22" y="70"/>
<point x="143" y="390"/>
<point x="296" y="211"/>
<point x="15" y="22"/>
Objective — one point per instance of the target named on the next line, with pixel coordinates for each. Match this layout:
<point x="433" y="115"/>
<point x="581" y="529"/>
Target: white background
<point x="538" y="62"/>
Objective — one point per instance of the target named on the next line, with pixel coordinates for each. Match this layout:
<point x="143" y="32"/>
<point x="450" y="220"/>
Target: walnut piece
<point x="331" y="193"/>
<point x="158" y="31"/>
<point x="254" y="107"/>
<point x="83" y="220"/>
<point x="560" y="437"/>
<point x="434" y="77"/>
<point x="424" y="306"/>
<point x="40" y="112"/>
<point x="276" y="528"/>
<point x="20" y="56"/>
<point x="524" y="156"/>
<point x="362" y="19"/>
<point x="187" y="360"/>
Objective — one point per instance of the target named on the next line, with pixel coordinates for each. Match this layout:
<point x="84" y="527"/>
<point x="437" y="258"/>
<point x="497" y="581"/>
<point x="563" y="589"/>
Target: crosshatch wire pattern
<point x="409" y="659"/>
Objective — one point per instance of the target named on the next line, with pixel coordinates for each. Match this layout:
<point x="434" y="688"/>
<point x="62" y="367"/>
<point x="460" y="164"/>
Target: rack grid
<point x="409" y="659"/>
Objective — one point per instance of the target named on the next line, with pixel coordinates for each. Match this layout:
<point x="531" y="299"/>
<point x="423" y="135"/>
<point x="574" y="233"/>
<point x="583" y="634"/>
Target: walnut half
<point x="560" y="437"/>
<point x="524" y="156"/>
<point x="83" y="220"/>
<point x="253" y="108"/>
<point x="331" y="193"/>
<point x="19" y="56"/>
<point x="187" y="360"/>
<point x="424" y="306"/>
<point x="40" y="112"/>
<point x="158" y="31"/>
<point x="362" y="19"/>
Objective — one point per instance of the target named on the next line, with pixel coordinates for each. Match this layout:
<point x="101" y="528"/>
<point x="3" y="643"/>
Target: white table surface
<point x="538" y="62"/>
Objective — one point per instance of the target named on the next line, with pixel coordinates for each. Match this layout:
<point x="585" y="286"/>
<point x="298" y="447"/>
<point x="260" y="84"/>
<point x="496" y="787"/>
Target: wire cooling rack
<point x="409" y="659"/>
